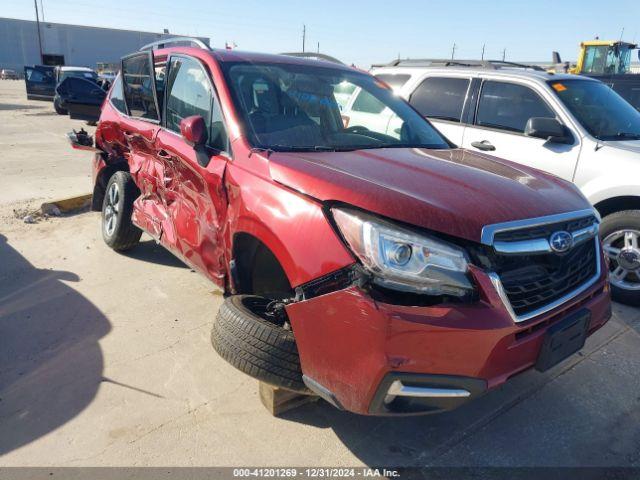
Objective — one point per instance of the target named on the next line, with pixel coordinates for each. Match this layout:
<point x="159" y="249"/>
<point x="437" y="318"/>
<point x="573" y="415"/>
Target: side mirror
<point x="194" y="130"/>
<point x="546" y="128"/>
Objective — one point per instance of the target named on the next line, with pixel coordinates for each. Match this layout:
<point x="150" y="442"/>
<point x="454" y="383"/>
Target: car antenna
<point x="610" y="85"/>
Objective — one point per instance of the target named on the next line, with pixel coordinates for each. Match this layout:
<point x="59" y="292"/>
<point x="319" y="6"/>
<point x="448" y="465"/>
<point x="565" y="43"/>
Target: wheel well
<point x="100" y="187"/>
<point x="617" y="204"/>
<point x="256" y="270"/>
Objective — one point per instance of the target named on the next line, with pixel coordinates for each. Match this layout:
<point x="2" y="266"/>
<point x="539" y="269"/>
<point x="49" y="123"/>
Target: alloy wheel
<point x="621" y="247"/>
<point x="110" y="218"/>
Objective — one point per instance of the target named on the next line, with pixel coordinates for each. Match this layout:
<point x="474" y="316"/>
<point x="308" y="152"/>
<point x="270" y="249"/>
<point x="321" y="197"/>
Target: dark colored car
<point x="387" y="273"/>
<point x="42" y="83"/>
<point x="80" y="98"/>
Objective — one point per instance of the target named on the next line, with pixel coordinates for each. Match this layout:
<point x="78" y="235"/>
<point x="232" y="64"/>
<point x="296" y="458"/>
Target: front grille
<point x="544" y="231"/>
<point x="532" y="281"/>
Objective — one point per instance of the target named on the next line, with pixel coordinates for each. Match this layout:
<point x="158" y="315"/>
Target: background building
<point x="64" y="44"/>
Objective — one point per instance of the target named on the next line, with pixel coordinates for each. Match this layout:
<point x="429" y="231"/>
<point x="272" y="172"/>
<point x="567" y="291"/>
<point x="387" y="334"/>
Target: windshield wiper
<point x="401" y="145"/>
<point x="301" y="148"/>
<point x="622" y="136"/>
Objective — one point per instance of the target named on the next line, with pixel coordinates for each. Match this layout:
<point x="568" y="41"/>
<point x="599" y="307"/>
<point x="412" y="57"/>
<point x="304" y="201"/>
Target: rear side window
<point x="508" y="106"/>
<point x="441" y="98"/>
<point x="139" y="86"/>
<point x="116" y="96"/>
<point x="367" y="103"/>
<point x="395" y="81"/>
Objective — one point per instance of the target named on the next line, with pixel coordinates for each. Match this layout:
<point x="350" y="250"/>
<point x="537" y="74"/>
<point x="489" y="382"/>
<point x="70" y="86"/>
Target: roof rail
<point x="176" y="41"/>
<point x="438" y="62"/>
<point x="314" y="56"/>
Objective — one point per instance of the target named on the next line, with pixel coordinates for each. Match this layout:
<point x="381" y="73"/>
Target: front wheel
<point x="117" y="229"/>
<point x="620" y="234"/>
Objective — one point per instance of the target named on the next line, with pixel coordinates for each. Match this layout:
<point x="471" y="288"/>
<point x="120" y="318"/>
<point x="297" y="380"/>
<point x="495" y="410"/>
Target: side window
<point x="189" y="94"/>
<point x="218" y="133"/>
<point x="116" y="95"/>
<point x="441" y="98"/>
<point x="139" y="86"/>
<point x="508" y="106"/>
<point x="38" y="76"/>
<point x="367" y="103"/>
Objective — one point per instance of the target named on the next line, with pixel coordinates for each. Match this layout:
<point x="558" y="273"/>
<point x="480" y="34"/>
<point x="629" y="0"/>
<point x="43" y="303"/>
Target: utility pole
<point x="318" y="47"/>
<point x="504" y="54"/>
<point x="42" y="10"/>
<point x="453" y="50"/>
<point x="482" y="55"/>
<point x="304" y="35"/>
<point x="35" y="2"/>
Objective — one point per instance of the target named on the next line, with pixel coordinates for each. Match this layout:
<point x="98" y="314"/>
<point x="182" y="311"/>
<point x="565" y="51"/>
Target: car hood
<point x="456" y="192"/>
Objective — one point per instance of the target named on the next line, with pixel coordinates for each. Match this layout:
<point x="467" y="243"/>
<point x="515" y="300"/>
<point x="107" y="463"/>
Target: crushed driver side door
<point x="193" y="191"/>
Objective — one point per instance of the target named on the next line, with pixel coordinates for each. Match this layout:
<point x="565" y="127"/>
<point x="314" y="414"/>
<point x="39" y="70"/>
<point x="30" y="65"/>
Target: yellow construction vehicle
<point x="604" y="57"/>
<point x="610" y="62"/>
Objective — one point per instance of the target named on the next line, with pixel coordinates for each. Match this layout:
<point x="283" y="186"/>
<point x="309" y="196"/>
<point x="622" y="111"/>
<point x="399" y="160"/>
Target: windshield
<point x="604" y="113"/>
<point x="289" y="107"/>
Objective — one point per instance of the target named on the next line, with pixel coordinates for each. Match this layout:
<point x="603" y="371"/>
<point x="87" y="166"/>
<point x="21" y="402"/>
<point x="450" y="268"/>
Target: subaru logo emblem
<point x="561" y="242"/>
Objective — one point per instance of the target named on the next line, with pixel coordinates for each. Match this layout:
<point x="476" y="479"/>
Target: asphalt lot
<point x="105" y="358"/>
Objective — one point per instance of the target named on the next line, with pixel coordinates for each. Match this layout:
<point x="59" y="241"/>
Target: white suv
<point x="572" y="126"/>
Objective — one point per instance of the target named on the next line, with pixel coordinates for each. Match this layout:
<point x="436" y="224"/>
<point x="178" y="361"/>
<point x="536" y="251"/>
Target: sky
<point x="364" y="32"/>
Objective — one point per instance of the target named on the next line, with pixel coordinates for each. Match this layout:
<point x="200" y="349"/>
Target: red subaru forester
<point x="374" y="264"/>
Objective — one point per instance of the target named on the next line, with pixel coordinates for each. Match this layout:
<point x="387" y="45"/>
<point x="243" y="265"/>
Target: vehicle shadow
<point x="51" y="363"/>
<point x="150" y="251"/>
<point x="395" y="441"/>
<point x="17" y="106"/>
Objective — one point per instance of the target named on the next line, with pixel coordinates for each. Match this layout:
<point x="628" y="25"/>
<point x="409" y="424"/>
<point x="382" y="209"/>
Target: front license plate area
<point x="563" y="339"/>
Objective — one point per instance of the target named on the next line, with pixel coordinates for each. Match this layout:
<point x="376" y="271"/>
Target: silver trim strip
<point x="174" y="40"/>
<point x="489" y="231"/>
<point x="541" y="245"/>
<point x="398" y="389"/>
<point x="497" y="283"/>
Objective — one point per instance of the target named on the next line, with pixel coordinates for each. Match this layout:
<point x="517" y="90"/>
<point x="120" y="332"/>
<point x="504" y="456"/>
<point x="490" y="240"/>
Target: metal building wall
<point x="80" y="45"/>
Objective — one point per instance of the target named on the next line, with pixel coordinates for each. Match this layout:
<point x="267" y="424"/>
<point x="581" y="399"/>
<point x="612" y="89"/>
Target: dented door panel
<point x="195" y="204"/>
<point x="147" y="172"/>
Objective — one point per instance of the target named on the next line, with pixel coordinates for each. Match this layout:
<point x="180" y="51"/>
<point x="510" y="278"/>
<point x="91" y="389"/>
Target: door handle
<point x="484" y="145"/>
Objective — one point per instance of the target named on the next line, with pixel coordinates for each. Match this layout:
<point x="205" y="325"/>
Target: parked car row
<point x="365" y="256"/>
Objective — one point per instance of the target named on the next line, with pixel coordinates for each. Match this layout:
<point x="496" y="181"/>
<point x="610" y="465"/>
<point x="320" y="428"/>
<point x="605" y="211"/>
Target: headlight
<point x="404" y="260"/>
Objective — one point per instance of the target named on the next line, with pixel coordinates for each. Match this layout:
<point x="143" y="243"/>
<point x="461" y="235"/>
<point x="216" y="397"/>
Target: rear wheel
<point x="620" y="234"/>
<point x="117" y="229"/>
<point x="58" y="107"/>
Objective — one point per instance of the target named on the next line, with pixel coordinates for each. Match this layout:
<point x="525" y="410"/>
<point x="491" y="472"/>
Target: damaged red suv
<point x="379" y="267"/>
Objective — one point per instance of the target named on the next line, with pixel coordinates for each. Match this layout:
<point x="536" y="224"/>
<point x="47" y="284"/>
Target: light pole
<point x="35" y="2"/>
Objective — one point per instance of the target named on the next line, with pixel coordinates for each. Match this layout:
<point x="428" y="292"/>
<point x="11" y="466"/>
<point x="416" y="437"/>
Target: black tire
<point x="625" y="220"/>
<point x="122" y="234"/>
<point x="256" y="346"/>
<point x="57" y="107"/>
